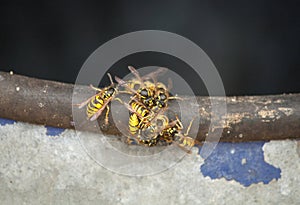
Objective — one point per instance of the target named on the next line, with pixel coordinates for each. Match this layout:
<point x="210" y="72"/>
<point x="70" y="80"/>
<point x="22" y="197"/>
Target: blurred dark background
<point x="255" y="45"/>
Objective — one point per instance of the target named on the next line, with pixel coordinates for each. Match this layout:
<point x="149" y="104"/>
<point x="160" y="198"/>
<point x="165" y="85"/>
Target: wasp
<point x="100" y="101"/>
<point x="146" y="107"/>
<point x="154" y="95"/>
<point x="143" y="89"/>
<point x="143" y="124"/>
<point x="141" y="106"/>
<point x="172" y="133"/>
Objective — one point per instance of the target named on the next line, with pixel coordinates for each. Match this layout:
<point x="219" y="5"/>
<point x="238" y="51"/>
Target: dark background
<point x="255" y="45"/>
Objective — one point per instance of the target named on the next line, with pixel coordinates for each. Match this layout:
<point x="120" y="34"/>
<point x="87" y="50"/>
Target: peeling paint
<point x="204" y="113"/>
<point x="287" y="111"/>
<point x="41" y="105"/>
<point x="268" y="115"/>
<point x="279" y="101"/>
<point x="242" y="162"/>
<point x="45" y="89"/>
<point x="6" y="122"/>
<point x="235" y="118"/>
<point x="233" y="99"/>
<point x="266" y="102"/>
<point x="53" y="131"/>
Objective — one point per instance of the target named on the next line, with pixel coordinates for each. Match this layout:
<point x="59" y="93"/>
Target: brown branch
<point x="249" y="118"/>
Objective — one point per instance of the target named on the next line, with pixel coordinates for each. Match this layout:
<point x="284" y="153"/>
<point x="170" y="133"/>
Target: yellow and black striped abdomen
<point x="133" y="123"/>
<point x="138" y="118"/>
<point x="94" y="105"/>
<point x="140" y="109"/>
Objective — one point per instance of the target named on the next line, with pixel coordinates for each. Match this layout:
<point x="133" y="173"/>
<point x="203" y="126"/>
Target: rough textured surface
<point x="37" y="168"/>
<point x="249" y="118"/>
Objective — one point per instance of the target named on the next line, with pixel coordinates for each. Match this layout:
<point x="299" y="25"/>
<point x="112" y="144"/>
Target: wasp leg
<point x="110" y="78"/>
<point x="183" y="147"/>
<point x="198" y="142"/>
<point x="189" y="128"/>
<point x="131" y="141"/>
<point x="127" y="136"/>
<point x="106" y="115"/>
<point x="184" y="141"/>
<point x="132" y="138"/>
<point x="119" y="100"/>
<point x="175" y="98"/>
<point x="189" y="142"/>
<point x="82" y="104"/>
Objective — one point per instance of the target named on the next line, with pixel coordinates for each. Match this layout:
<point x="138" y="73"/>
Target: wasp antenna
<point x="190" y="126"/>
<point x="135" y="73"/>
<point x="110" y="78"/>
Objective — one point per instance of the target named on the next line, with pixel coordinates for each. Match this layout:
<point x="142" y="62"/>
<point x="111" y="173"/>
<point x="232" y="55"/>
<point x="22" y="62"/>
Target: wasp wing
<point x="154" y="74"/>
<point x="98" y="113"/>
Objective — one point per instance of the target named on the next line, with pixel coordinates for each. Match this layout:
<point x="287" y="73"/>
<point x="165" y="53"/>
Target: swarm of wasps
<point x="147" y="125"/>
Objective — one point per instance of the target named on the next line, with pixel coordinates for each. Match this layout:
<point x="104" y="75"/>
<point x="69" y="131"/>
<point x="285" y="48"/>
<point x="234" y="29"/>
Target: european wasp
<point x="142" y="105"/>
<point x="155" y="95"/>
<point x="148" y="125"/>
<point x="98" y="102"/>
<point x="173" y="133"/>
<point x="141" y="88"/>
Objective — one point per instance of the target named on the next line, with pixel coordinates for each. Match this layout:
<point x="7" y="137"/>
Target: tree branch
<point x="249" y="118"/>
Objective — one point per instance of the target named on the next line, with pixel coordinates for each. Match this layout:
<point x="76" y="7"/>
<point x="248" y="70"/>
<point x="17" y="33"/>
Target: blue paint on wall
<point x="53" y="131"/>
<point x="6" y="121"/>
<point x="242" y="162"/>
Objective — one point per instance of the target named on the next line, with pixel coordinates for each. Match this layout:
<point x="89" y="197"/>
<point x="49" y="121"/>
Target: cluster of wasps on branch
<point x="148" y="124"/>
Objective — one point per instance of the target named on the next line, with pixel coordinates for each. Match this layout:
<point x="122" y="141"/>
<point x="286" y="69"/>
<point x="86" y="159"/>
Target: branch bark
<point x="249" y="118"/>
